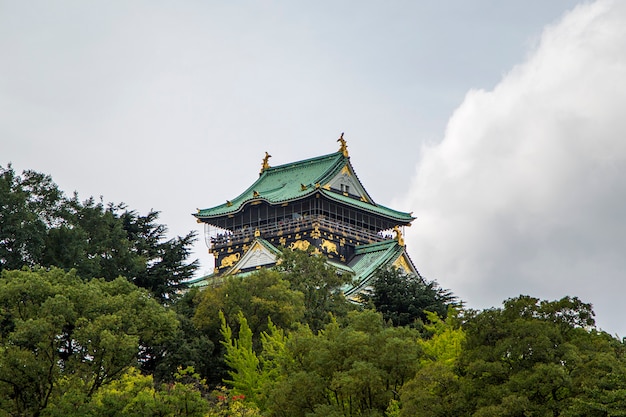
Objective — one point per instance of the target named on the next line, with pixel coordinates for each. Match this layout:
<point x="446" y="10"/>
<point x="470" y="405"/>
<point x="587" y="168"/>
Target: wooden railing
<point x="293" y="225"/>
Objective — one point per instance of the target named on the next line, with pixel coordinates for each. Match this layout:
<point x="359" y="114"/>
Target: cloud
<point x="526" y="193"/>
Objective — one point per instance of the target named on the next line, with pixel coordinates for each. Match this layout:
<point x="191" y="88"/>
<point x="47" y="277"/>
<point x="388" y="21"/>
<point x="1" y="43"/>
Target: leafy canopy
<point x="39" y="225"/>
<point x="58" y="328"/>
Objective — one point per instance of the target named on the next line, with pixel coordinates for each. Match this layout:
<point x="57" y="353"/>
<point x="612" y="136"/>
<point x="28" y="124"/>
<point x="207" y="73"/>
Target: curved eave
<point x="398" y="216"/>
<point x="291" y="177"/>
<point x="240" y="207"/>
<point x="401" y="217"/>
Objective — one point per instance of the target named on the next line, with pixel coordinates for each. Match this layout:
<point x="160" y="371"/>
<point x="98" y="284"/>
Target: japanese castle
<point x="317" y="204"/>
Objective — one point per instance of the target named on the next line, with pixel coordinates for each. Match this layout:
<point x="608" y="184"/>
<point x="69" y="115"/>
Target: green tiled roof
<point x="295" y="181"/>
<point x="370" y="258"/>
<point x="374" y="208"/>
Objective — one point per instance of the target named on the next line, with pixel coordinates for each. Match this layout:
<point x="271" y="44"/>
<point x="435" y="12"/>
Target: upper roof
<point x="298" y="180"/>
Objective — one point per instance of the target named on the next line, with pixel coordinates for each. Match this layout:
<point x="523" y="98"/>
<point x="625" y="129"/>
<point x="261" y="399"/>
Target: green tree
<point x="352" y="369"/>
<point x="406" y="298"/>
<point x="188" y="347"/>
<point x="136" y="395"/>
<point x="319" y="283"/>
<point x="259" y="296"/>
<point x="58" y="330"/>
<point x="541" y="358"/>
<point x="39" y="225"/>
<point x="109" y="241"/>
<point x="247" y="376"/>
<point x="435" y="389"/>
<point x="254" y="375"/>
<point x="29" y="205"/>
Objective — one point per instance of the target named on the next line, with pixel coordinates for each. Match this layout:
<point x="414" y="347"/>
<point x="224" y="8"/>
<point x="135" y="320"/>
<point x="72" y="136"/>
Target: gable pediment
<point x="257" y="256"/>
<point x="347" y="183"/>
<point x="404" y="264"/>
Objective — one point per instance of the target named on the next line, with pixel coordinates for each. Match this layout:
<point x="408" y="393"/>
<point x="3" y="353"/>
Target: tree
<point x="59" y="330"/>
<point x="40" y="226"/>
<point x="29" y="205"/>
<point x="188" y="347"/>
<point x="109" y="241"/>
<point x="136" y="395"/>
<point x="541" y="358"/>
<point x="405" y="298"/>
<point x="258" y="296"/>
<point x="319" y="283"/>
<point x="435" y="389"/>
<point x="352" y="369"/>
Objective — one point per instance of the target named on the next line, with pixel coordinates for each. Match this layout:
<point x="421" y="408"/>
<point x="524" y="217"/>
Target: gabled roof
<point x="298" y="180"/>
<point x="260" y="253"/>
<point x="368" y="259"/>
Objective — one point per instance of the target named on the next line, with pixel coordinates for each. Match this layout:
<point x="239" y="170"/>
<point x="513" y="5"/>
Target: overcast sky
<point x="498" y="124"/>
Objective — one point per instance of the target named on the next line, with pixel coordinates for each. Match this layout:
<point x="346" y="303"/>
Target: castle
<point x="316" y="204"/>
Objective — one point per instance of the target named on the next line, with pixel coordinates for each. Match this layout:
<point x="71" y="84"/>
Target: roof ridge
<point x="361" y="249"/>
<point x="290" y="165"/>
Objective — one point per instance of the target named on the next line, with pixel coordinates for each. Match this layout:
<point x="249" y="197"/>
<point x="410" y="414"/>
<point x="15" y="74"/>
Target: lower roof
<point x="367" y="260"/>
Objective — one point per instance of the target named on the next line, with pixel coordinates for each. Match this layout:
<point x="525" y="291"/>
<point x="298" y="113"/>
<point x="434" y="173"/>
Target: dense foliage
<point x="60" y="333"/>
<point x="405" y="299"/>
<point x="93" y="323"/>
<point x="40" y="226"/>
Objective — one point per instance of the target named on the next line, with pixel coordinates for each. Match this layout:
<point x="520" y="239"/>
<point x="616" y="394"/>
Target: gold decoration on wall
<point x="401" y="263"/>
<point x="257" y="233"/>
<point x="230" y="260"/>
<point x="315" y="234"/>
<point x="265" y="165"/>
<point x="329" y="247"/>
<point x="300" y="244"/>
<point x="282" y="241"/>
<point x="344" y="147"/>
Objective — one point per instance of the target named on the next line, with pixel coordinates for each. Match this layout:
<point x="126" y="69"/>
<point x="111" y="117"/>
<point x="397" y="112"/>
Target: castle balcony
<point x="219" y="238"/>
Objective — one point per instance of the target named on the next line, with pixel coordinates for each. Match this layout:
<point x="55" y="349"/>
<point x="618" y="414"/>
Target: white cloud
<point x="527" y="190"/>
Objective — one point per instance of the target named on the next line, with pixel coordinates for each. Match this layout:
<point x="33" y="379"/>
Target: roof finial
<point x="399" y="236"/>
<point x="344" y="148"/>
<point x="265" y="164"/>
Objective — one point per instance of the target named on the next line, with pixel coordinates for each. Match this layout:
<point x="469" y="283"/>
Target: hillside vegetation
<point x="96" y="320"/>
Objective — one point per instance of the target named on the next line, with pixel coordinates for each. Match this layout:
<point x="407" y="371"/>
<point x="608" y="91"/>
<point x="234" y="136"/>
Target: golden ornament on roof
<point x="399" y="237"/>
<point x="343" y="148"/>
<point x="265" y="165"/>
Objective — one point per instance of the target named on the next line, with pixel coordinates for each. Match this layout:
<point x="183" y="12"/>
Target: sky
<point x="498" y="124"/>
